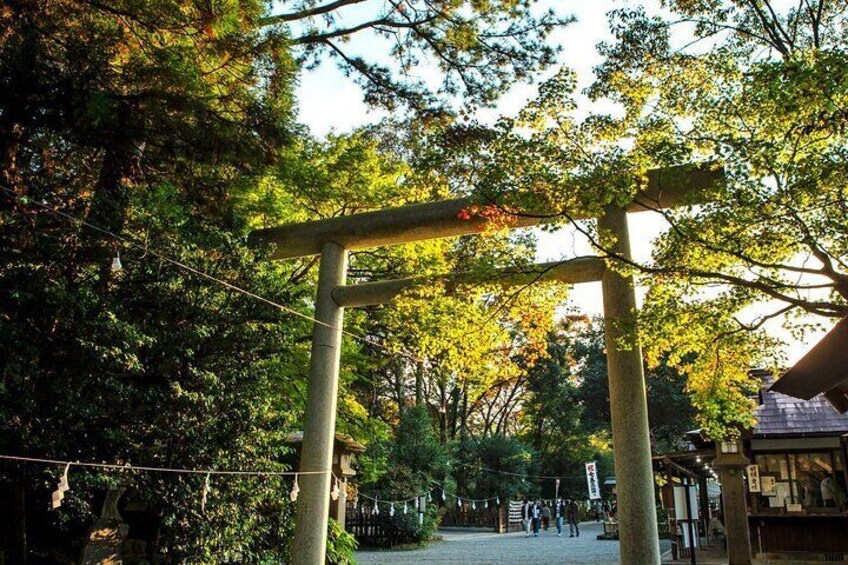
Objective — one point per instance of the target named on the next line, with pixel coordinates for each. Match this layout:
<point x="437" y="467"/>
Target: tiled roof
<point x="783" y="415"/>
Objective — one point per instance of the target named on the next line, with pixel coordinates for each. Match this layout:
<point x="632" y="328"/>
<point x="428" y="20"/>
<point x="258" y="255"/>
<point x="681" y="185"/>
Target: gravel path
<point x="485" y="547"/>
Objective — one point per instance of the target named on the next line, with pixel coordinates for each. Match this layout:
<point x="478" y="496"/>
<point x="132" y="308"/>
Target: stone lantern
<point x="731" y="463"/>
<point x="345" y="450"/>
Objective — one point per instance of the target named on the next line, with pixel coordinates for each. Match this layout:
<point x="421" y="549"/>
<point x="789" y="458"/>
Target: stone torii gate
<point x="333" y="238"/>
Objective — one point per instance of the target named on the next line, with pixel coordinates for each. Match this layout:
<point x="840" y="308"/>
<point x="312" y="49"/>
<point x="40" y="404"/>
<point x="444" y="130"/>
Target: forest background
<point x="134" y="131"/>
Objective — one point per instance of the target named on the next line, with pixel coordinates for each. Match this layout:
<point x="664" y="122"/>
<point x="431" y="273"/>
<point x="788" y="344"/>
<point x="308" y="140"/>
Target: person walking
<point x="559" y="514"/>
<point x="546" y="516"/>
<point x="572" y="516"/>
<point x="527" y="516"/>
<point x="537" y="517"/>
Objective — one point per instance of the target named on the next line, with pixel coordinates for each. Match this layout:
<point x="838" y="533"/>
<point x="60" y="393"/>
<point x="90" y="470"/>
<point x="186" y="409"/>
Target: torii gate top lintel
<point x="667" y="188"/>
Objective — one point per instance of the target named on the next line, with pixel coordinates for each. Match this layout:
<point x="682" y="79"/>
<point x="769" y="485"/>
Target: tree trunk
<point x="19" y="526"/>
<point x="111" y="193"/>
<point x="399" y="388"/>
<point x="419" y="384"/>
<point x="121" y="164"/>
<point x="463" y="423"/>
<point x="454" y="413"/>
<point x="13" y="117"/>
<point x="443" y="416"/>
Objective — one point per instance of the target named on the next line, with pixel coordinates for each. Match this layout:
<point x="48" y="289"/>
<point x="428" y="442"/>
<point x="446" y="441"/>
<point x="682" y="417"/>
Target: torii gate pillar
<point x="313" y="504"/>
<point x="628" y="405"/>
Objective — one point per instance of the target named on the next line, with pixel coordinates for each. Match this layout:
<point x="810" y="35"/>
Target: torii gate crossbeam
<point x="333" y="238"/>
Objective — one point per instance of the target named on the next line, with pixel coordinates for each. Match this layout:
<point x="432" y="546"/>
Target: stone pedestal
<point x="731" y="469"/>
<point x="107" y="535"/>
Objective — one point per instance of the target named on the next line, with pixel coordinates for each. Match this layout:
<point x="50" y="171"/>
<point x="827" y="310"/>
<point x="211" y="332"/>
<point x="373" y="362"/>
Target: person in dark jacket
<point x="546" y="516"/>
<point x="537" y="517"/>
<point x="559" y="514"/>
<point x="572" y="516"/>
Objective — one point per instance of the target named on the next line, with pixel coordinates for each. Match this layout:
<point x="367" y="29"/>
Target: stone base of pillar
<point x="731" y="469"/>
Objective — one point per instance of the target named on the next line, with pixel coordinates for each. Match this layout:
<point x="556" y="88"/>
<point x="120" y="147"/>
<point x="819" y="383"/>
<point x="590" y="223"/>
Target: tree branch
<point x="308" y="13"/>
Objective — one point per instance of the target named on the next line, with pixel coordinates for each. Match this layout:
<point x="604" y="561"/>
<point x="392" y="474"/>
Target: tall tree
<point x="757" y="87"/>
<point x="760" y="87"/>
<point x="479" y="49"/>
<point x="566" y="411"/>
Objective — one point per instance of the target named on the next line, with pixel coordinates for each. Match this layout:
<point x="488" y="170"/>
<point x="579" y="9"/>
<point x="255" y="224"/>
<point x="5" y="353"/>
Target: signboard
<point x="685" y="513"/>
<point x="768" y="486"/>
<point x="753" y="472"/>
<point x="680" y="509"/>
<point x="557" y="488"/>
<point x="592" y="480"/>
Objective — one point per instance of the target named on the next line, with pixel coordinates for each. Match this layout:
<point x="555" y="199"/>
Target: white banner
<point x="753" y="478"/>
<point x="592" y="480"/>
<point x="514" y="512"/>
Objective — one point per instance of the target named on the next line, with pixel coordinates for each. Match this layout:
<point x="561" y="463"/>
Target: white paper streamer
<point x="295" y="490"/>
<point x="63" y="487"/>
<point x="205" y="494"/>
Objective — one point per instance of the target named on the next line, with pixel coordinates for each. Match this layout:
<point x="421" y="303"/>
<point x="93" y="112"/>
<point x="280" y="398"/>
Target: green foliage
<point x="567" y="414"/>
<point x="762" y="90"/>
<point x="758" y="88"/>
<point x="144" y="371"/>
<point x="410" y="464"/>
<point x="493" y="466"/>
<point x="403" y="529"/>
<point x="170" y="123"/>
<point x="413" y="458"/>
<point x="478" y="49"/>
<point x="583" y="358"/>
<point x="340" y="545"/>
<point x="415" y="445"/>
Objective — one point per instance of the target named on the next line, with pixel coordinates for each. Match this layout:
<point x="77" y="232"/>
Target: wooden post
<point x="341" y="503"/>
<point x="313" y="505"/>
<point x="422" y="508"/>
<point x="705" y="506"/>
<point x="637" y="528"/>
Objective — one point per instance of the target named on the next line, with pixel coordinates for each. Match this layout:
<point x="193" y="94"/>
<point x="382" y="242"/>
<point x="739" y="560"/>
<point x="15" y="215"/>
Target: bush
<point x="402" y="529"/>
<point x="340" y="545"/>
<point x="414" y="460"/>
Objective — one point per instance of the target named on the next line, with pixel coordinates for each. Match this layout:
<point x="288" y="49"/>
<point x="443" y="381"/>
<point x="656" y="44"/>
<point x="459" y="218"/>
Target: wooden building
<point x="799" y="449"/>
<point x="795" y="481"/>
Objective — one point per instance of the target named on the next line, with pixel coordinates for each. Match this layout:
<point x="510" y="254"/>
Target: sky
<point x="329" y="102"/>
